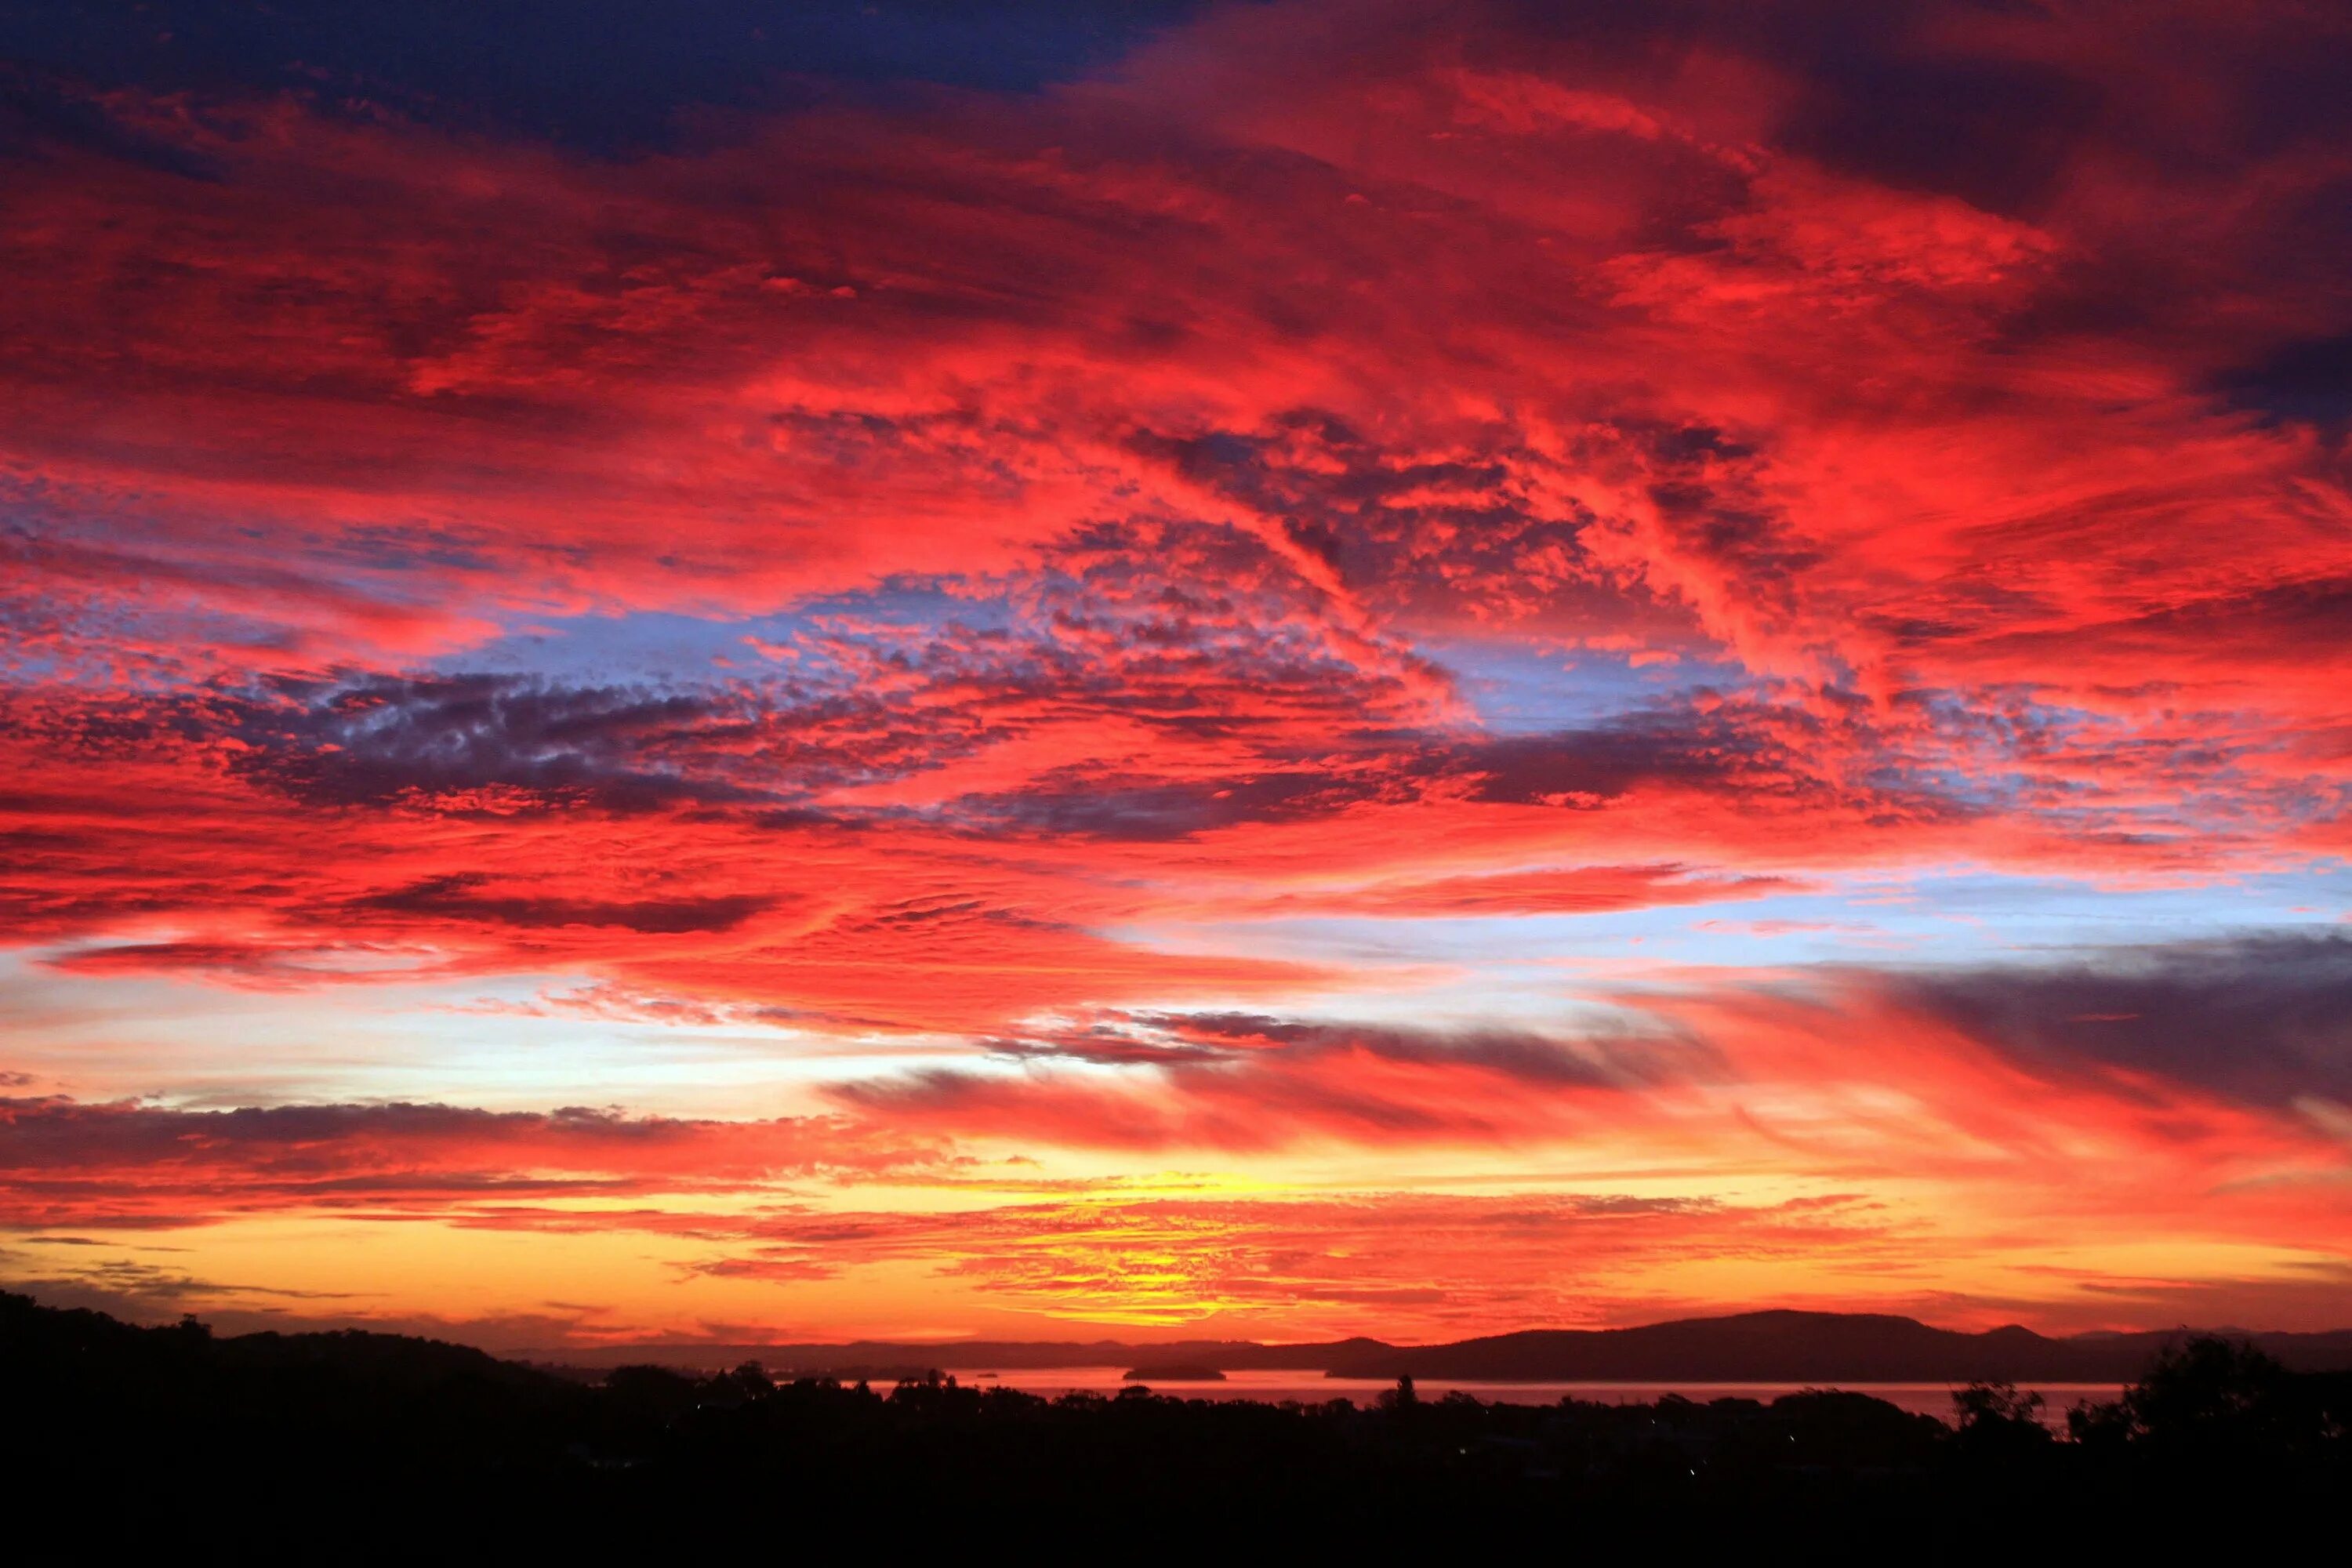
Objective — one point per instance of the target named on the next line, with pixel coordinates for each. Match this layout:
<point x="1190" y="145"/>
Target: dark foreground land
<point x="342" y="1446"/>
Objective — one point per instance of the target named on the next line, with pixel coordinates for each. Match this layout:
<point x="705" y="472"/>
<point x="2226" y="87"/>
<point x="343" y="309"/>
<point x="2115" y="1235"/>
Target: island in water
<point x="1174" y="1372"/>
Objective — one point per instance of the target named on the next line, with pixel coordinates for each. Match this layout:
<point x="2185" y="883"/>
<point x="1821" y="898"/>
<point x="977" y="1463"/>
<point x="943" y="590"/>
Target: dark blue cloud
<point x="2309" y="380"/>
<point x="374" y="739"/>
<point x="2263" y="1019"/>
<point x="605" y="75"/>
<point x="458" y="897"/>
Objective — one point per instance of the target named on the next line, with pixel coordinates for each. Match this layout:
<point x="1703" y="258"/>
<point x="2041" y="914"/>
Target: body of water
<point x="1272" y="1387"/>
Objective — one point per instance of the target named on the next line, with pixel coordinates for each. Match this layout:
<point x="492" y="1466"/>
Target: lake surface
<point x="1272" y="1387"/>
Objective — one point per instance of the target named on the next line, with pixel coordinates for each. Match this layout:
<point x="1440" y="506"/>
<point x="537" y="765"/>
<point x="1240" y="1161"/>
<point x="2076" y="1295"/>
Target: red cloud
<point x="129" y="1164"/>
<point x="1567" y="890"/>
<point x="1336" y="463"/>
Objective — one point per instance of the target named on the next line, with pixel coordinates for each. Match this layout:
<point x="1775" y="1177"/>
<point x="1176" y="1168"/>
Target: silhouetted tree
<point x="1995" y="1404"/>
<point x="2215" y="1399"/>
<point x="653" y="1392"/>
<point x="1993" y="1420"/>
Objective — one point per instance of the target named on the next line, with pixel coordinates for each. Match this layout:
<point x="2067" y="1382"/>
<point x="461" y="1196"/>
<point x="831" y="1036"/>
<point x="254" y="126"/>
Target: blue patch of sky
<point x="504" y="1042"/>
<point x="667" y="648"/>
<point x="1955" y="916"/>
<point x="1516" y="688"/>
<point x="132" y="636"/>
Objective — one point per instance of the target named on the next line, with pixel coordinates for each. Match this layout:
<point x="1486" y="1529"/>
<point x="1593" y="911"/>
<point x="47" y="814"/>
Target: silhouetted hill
<point x="1806" y="1347"/>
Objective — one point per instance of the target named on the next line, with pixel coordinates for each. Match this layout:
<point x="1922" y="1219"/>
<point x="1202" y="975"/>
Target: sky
<point x="1279" y="670"/>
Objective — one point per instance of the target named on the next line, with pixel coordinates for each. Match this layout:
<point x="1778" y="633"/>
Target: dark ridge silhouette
<point x="358" y="1446"/>
<point x="1749" y="1347"/>
<point x="1808" y="1347"/>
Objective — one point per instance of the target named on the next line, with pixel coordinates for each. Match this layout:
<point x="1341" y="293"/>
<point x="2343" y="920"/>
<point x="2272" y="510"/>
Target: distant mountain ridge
<point x="1810" y="1347"/>
<point x="1774" y="1346"/>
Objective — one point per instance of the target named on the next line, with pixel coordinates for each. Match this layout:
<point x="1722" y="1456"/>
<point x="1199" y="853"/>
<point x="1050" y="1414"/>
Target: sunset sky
<point x="1273" y="670"/>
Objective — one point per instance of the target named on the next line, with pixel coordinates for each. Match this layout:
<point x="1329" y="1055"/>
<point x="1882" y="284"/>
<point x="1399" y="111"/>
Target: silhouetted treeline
<point x="342" y="1445"/>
